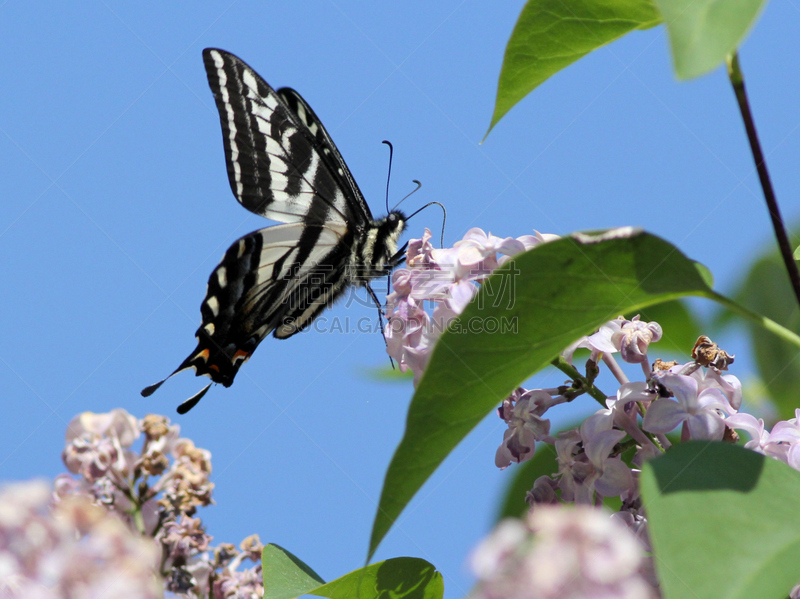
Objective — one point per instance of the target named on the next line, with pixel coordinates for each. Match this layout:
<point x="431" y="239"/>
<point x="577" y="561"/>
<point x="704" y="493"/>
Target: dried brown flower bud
<point x="730" y="436"/>
<point x="253" y="546"/>
<point x="224" y="553"/>
<point x="707" y="353"/>
<point x="660" y="364"/>
<point x="154" y="463"/>
<point x="155" y="426"/>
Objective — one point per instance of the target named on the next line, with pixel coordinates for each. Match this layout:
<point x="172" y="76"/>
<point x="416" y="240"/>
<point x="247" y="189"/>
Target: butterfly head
<point x="389" y="230"/>
<point x="376" y="255"/>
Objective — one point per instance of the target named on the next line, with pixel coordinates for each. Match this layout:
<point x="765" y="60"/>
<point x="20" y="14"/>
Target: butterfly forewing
<point x="273" y="166"/>
<point x="358" y="210"/>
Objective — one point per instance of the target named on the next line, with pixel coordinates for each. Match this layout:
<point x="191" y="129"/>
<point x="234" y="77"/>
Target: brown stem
<point x="737" y="81"/>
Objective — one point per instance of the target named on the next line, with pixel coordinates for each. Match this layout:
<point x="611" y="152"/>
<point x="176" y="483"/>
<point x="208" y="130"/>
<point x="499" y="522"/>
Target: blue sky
<point x="116" y="207"/>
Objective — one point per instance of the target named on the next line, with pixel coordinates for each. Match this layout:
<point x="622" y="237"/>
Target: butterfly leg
<point x="399" y="257"/>
<point x="380" y="309"/>
<point x="380" y="318"/>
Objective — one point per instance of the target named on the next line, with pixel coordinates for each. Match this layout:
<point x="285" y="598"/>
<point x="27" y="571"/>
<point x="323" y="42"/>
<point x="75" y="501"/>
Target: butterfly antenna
<point x="389" y="176"/>
<point x="412" y="192"/>
<point x="444" y="215"/>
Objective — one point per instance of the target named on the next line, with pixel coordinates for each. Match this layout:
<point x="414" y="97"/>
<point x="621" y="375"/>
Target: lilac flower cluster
<point x="696" y="398"/>
<point x="150" y="495"/>
<point x="537" y="558"/>
<point x="448" y="279"/>
<point x="70" y="550"/>
<point x="561" y="552"/>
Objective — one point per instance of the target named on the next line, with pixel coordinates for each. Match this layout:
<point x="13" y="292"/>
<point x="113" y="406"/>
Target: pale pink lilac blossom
<point x="698" y="398"/>
<point x="782" y="443"/>
<point x="522" y="413"/>
<point x="73" y="549"/>
<point x="561" y="552"/>
<point x="701" y="412"/>
<point x="155" y="492"/>
<point x="631" y="338"/>
<point x="446" y="278"/>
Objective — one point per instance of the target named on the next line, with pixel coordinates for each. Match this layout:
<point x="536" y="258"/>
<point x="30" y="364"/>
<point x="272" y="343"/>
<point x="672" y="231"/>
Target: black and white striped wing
<point x="282" y="164"/>
<point x="275" y="280"/>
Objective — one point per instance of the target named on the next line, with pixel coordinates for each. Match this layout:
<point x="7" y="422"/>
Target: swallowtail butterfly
<point x="282" y="164"/>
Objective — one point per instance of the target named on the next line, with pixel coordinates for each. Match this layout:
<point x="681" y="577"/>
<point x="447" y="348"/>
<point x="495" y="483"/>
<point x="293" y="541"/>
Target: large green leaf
<point x="724" y="521"/>
<point x="286" y="577"/>
<point x="552" y="34"/>
<point x="766" y="289"/>
<point x="703" y="32"/>
<point x="554" y="294"/>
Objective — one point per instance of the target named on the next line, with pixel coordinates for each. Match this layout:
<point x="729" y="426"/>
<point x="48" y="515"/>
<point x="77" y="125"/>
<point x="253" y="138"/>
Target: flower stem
<point x="737" y="81"/>
<point x="768" y="324"/>
<point x="138" y="519"/>
<point x="576" y="376"/>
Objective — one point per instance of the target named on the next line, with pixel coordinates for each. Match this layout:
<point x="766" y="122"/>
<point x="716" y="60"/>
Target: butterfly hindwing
<point x="272" y="280"/>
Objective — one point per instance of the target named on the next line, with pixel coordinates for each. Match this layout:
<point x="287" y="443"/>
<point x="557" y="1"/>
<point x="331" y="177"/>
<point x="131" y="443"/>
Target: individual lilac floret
<point x="586" y="464"/>
<point x="630" y="337"/>
<point x="561" y="552"/>
<point x="522" y="412"/>
<point x="711" y="378"/>
<point x="247" y="583"/>
<point x="700" y="412"/>
<point x="754" y="427"/>
<point x="784" y="441"/>
<point x="611" y="476"/>
<point x="184" y="538"/>
<point x="634" y="337"/>
<point x="97" y="445"/>
<point x="477" y="253"/>
<point x="598" y="343"/>
<point x="543" y="492"/>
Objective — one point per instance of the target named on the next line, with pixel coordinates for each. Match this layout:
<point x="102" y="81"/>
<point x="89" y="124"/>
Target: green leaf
<point x="286" y="577"/>
<point x="680" y="326"/>
<point x="703" y="32"/>
<point x="553" y="295"/>
<point x="796" y="254"/>
<point x="398" y="578"/>
<point x="536" y="304"/>
<point x="552" y="34"/>
<point x="724" y="521"/>
<point x="766" y="289"/>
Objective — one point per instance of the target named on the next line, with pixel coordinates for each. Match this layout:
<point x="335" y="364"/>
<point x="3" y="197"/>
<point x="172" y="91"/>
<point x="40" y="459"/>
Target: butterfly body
<point x="282" y="164"/>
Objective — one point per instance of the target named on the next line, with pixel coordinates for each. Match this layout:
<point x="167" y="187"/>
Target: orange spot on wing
<point x="213" y="367"/>
<point x="240" y="355"/>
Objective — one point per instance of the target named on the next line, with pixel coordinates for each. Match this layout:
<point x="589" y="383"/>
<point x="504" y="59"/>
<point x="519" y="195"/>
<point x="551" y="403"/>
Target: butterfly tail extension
<point x="148" y="391"/>
<point x="193" y="400"/>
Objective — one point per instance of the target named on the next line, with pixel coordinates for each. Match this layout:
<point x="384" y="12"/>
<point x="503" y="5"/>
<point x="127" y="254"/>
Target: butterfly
<point x="283" y="165"/>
